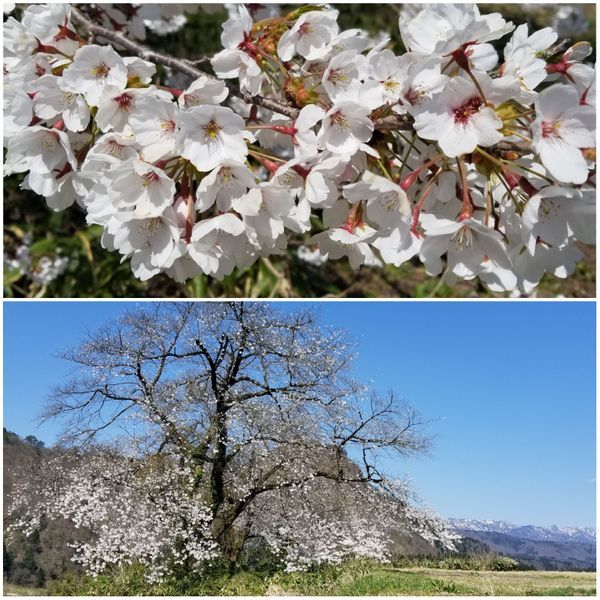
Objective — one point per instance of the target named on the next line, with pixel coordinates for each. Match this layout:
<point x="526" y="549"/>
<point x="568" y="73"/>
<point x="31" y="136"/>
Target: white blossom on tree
<point x="203" y="430"/>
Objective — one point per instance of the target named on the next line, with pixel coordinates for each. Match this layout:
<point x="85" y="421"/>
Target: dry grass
<point x="515" y="583"/>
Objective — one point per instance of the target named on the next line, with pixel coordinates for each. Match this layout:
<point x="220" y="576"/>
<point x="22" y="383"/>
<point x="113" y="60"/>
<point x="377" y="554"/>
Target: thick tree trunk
<point x="217" y="479"/>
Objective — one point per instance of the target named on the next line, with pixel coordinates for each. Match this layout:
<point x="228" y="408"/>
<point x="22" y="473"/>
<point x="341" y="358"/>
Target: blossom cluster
<point x="326" y="523"/>
<point x="479" y="164"/>
<point x="132" y="511"/>
<point x="151" y="512"/>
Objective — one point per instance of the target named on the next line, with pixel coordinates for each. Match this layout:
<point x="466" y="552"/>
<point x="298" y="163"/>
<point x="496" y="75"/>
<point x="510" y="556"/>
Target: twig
<point x="142" y="51"/>
<point x="269" y="104"/>
<point x="196" y="62"/>
<point x="394" y="123"/>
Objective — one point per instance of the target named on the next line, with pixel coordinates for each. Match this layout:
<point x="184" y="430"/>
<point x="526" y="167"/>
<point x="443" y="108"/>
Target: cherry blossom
<point x="460" y="118"/>
<point x="18" y="111"/>
<point x="93" y="69"/>
<point x="562" y="126"/>
<point x="42" y="149"/>
<point x="139" y="186"/>
<point x="52" y="97"/>
<point x="440" y="29"/>
<point x="211" y="134"/>
<point x="345" y="127"/>
<point x="310" y="35"/>
<point x="368" y="150"/>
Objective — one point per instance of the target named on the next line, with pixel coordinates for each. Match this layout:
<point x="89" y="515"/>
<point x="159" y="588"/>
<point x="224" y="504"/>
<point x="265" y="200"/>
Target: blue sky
<point x="508" y="389"/>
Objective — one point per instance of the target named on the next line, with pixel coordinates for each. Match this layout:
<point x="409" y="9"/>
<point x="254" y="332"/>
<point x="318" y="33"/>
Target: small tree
<point x="238" y="422"/>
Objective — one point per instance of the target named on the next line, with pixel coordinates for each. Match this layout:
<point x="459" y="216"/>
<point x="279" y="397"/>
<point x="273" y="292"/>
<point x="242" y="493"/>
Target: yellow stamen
<point x="100" y="71"/>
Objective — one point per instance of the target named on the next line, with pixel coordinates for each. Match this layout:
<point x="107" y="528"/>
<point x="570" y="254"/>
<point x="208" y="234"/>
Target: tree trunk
<point x="217" y="479"/>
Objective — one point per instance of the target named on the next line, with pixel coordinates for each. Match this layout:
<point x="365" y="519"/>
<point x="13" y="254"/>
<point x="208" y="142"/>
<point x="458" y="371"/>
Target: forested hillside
<point x="45" y="555"/>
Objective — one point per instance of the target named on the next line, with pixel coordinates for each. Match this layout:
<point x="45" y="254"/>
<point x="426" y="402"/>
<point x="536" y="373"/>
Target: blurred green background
<point x="94" y="272"/>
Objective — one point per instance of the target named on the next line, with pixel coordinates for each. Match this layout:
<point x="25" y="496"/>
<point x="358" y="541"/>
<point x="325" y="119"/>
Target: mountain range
<point x="552" y="548"/>
<point x="552" y="533"/>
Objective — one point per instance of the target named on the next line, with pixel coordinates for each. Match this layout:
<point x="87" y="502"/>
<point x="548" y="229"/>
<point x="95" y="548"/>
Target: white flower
<point x="339" y="242"/>
<point x="530" y="268"/>
<point x="222" y="185"/>
<point x="537" y="42"/>
<point x="440" y="29"/>
<point x="138" y="70"/>
<point x="115" y="107"/>
<point x="420" y="81"/>
<point x="346" y="126"/>
<point x="522" y="56"/>
<point x="141" y="188"/>
<point x="18" y="111"/>
<point x="152" y="239"/>
<point x="554" y="214"/>
<point x="154" y="124"/>
<point x="237" y="28"/>
<point x="305" y="139"/>
<point x="388" y="207"/>
<point x="220" y="244"/>
<point x="265" y="209"/>
<point x="458" y="118"/>
<point x="210" y="135"/>
<point x="42" y="183"/>
<point x="44" y="20"/>
<point x="43" y="149"/>
<point x="561" y="127"/>
<point x="314" y="180"/>
<point x="18" y="40"/>
<point x="570" y="66"/>
<point x="310" y="35"/>
<point x="342" y="77"/>
<point x="472" y="249"/>
<point x="386" y="68"/>
<point x="232" y="63"/>
<point x="93" y="69"/>
<point x="64" y="194"/>
<point x="204" y="90"/>
<point x="25" y="71"/>
<point x="53" y="98"/>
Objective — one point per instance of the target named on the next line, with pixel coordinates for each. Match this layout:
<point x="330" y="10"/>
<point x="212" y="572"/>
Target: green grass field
<point x="419" y="581"/>
<point x="351" y="579"/>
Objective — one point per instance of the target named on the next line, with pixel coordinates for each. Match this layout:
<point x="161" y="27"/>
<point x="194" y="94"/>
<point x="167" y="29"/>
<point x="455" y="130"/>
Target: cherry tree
<point x="202" y="430"/>
<point x="448" y="152"/>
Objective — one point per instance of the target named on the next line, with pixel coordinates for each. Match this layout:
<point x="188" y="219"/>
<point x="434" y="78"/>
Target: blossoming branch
<point x="481" y="165"/>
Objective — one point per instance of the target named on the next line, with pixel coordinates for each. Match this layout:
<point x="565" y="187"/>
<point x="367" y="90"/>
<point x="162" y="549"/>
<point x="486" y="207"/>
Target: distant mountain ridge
<point x="582" y="535"/>
<point x="547" y="548"/>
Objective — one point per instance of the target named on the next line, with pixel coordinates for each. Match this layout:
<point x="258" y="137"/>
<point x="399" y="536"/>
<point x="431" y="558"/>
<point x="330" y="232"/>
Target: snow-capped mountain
<point x="584" y="535"/>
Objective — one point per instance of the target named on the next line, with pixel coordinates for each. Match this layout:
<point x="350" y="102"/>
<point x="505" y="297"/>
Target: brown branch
<point x="273" y="105"/>
<point x="394" y="122"/>
<point x="138" y="49"/>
